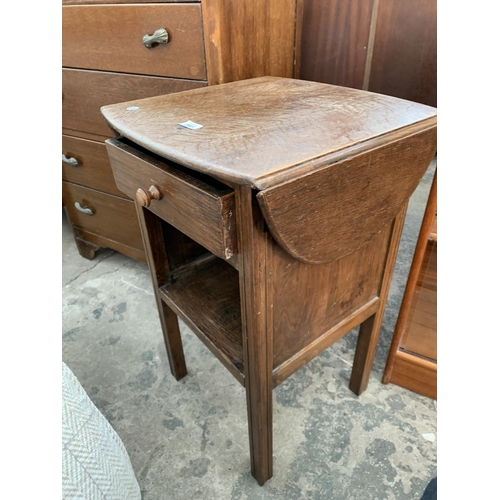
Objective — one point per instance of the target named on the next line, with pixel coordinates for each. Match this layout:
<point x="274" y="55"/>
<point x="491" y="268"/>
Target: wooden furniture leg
<point x="257" y="341"/>
<point x="156" y="254"/>
<point x="369" y="330"/>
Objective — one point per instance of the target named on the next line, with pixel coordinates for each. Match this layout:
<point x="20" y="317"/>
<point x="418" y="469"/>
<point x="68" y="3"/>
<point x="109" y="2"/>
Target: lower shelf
<point x="208" y="301"/>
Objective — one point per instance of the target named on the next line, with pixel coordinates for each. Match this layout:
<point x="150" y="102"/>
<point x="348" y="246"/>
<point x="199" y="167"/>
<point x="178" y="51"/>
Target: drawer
<point x="197" y="205"/>
<point x="87" y="163"/>
<point x="84" y="92"/>
<point x="113" y="218"/>
<point x="110" y="38"/>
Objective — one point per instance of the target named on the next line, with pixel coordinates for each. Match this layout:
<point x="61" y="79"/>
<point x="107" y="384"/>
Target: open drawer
<point x="198" y="205"/>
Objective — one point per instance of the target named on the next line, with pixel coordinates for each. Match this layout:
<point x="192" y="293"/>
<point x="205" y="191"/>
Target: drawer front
<point x="110" y="38"/>
<point x="198" y="206"/>
<point x="85" y="92"/>
<point x="87" y="163"/>
<point x="113" y="218"/>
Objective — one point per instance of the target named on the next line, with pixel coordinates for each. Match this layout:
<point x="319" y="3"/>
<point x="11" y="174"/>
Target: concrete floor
<point x="189" y="440"/>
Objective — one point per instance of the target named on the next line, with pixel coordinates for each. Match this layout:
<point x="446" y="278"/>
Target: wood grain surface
<point x="93" y="170"/>
<point x="258" y="128"/>
<point x="414" y="373"/>
<point x="208" y="300"/>
<point x="256" y="331"/>
<point x="113" y="35"/>
<point x="330" y="213"/>
<point x="404" y="62"/>
<point x="114" y="218"/>
<point x="335" y="41"/>
<point x="156" y="253"/>
<point x="323" y="295"/>
<point x="412" y="358"/>
<point x="204" y="211"/>
<point x="248" y="39"/>
<point x="84" y="92"/>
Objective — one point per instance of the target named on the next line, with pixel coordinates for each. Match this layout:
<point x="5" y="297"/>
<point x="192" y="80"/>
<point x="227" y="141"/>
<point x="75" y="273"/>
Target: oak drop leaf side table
<point x="271" y="211"/>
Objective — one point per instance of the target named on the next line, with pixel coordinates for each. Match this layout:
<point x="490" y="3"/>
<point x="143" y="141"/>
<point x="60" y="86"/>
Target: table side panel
<point x="308" y="299"/>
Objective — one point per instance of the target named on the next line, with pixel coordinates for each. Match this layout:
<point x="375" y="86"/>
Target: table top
<point x="264" y="131"/>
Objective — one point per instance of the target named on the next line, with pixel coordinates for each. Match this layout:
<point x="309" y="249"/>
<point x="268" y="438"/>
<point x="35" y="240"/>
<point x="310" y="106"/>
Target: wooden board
<point x="84" y="92"/>
<point x="404" y="62"/>
<point x="114" y="218"/>
<point x="248" y="39"/>
<point x="93" y="170"/>
<point x="335" y="41"/>
<point x="204" y="212"/>
<point x="254" y="130"/>
<point x="331" y="213"/>
<point x="113" y="37"/>
<point x="209" y="301"/>
<point x="308" y="299"/>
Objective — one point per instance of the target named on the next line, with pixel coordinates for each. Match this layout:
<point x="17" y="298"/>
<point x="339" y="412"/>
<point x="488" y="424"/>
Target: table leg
<point x="365" y="352"/>
<point x="156" y="254"/>
<point x="370" y="328"/>
<point x="257" y="337"/>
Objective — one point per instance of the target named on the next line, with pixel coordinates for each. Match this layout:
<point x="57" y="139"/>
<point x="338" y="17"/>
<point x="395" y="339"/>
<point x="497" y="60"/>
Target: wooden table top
<point x="267" y="130"/>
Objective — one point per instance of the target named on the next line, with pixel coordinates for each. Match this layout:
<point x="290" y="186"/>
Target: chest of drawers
<point x="115" y="51"/>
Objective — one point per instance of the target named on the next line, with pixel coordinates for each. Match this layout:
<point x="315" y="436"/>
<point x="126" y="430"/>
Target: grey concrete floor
<point x="189" y="440"/>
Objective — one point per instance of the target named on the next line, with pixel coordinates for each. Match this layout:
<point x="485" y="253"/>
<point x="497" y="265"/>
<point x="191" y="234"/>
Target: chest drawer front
<point x="202" y="209"/>
<point x="110" y="38"/>
<point x="112" y="218"/>
<point x="84" y="92"/>
<point x="86" y="162"/>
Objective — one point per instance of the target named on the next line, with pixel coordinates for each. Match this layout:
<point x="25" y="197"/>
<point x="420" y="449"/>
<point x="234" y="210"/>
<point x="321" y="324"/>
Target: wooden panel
<point x="88" y="243"/>
<point x="420" y="335"/>
<point x="403" y="372"/>
<point x="112" y="36"/>
<point x="248" y="39"/>
<point x="417" y="375"/>
<point x="404" y="60"/>
<point x="329" y="214"/>
<point x="255" y="130"/>
<point x="204" y="212"/>
<point x="114" y="218"/>
<point x="308" y="299"/>
<point x="84" y="92"/>
<point x="335" y="40"/>
<point x="93" y="170"/>
<point x="317" y="346"/>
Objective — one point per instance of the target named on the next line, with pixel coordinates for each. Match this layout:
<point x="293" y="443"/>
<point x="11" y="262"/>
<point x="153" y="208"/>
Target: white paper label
<point x="191" y="125"/>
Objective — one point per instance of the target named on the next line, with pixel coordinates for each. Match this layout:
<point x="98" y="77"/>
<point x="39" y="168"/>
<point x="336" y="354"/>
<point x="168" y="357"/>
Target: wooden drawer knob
<point x="145" y="197"/>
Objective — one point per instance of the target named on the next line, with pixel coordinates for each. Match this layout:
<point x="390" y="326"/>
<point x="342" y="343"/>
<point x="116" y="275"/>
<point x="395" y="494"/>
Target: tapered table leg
<point x="257" y="341"/>
<point x="156" y="254"/>
<point x="370" y="329"/>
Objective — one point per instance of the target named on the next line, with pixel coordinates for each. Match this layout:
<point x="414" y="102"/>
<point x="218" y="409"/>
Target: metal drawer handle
<point x="145" y="197"/>
<point x="85" y="210"/>
<point x="71" y="161"/>
<point x="159" y="36"/>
